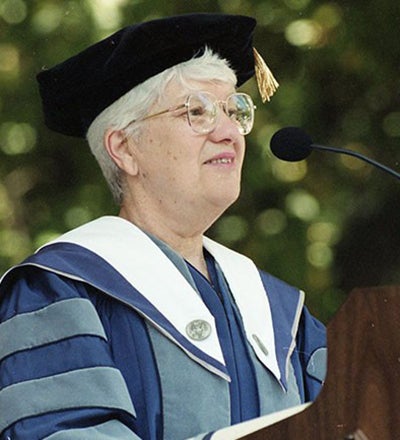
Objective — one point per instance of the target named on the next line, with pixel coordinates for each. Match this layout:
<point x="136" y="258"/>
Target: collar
<point x="135" y="257"/>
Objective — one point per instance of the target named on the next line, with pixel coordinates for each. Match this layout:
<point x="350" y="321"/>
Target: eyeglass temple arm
<point x="155" y="114"/>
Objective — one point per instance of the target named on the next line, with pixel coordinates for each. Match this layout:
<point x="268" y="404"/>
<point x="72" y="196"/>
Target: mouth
<point x="221" y="159"/>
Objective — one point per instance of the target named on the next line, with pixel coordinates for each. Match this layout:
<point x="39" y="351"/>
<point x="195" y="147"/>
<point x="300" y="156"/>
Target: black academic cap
<point x="76" y="91"/>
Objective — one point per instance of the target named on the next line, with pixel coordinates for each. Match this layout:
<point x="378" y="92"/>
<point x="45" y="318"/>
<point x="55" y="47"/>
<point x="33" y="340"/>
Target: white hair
<point x="136" y="103"/>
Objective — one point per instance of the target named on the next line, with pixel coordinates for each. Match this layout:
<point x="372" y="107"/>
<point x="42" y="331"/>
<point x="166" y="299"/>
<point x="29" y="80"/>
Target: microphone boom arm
<point x="357" y="155"/>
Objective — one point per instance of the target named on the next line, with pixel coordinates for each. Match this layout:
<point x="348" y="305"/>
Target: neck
<point x="188" y="244"/>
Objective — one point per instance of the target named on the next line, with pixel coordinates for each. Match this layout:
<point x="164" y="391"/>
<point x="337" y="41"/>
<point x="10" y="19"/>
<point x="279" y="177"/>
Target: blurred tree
<point x="326" y="224"/>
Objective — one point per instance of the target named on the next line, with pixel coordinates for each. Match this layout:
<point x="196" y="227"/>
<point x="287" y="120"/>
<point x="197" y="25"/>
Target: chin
<point x="226" y="200"/>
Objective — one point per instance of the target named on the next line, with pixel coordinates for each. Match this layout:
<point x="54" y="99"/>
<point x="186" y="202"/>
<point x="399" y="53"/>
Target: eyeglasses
<point x="202" y="111"/>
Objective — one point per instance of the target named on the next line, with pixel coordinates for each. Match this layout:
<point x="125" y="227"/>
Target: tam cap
<point x="77" y="90"/>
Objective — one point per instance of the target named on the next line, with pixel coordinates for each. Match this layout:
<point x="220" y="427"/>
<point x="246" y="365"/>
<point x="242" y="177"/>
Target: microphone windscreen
<point x="291" y="144"/>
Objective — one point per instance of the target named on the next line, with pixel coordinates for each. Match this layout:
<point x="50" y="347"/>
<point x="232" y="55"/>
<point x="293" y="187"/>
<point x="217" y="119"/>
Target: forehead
<point x="175" y="92"/>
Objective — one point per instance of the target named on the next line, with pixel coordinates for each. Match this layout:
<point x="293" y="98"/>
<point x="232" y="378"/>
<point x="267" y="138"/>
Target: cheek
<point x="165" y="166"/>
<point x="169" y="150"/>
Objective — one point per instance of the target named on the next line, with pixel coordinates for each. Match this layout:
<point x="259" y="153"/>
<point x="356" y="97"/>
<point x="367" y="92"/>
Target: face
<point x="185" y="174"/>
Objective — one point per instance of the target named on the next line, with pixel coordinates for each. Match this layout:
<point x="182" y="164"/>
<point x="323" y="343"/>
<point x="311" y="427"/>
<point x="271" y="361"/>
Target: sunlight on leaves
<point x="13" y="11"/>
<point x="289" y="171"/>
<point x="17" y="138"/>
<point x="303" y="205"/>
<point x="304" y="32"/>
<point x="231" y="228"/>
<point x="271" y="221"/>
<point x="47" y="18"/>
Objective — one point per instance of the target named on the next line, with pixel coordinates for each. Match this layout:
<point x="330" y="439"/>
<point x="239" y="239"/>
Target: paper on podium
<point x="235" y="432"/>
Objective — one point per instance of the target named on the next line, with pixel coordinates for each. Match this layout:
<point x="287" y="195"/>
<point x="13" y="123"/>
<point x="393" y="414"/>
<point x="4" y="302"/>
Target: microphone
<point x="293" y="144"/>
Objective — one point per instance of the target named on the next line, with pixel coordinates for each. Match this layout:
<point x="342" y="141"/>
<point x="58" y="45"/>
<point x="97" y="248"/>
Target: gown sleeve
<point x="312" y="349"/>
<point x="57" y="376"/>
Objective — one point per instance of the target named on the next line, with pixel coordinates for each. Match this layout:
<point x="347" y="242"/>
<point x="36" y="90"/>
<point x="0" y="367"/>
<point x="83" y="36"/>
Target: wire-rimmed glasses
<point x="203" y="110"/>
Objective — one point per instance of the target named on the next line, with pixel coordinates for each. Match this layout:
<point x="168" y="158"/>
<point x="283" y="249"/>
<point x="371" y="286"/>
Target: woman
<point x="138" y="326"/>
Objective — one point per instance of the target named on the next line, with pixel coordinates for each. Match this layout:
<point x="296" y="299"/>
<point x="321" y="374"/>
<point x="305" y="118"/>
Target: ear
<point x="121" y="150"/>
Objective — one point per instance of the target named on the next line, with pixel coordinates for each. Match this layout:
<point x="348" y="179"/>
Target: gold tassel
<point x="266" y="82"/>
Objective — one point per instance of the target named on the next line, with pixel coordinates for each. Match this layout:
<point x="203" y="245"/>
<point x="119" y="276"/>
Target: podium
<point x="360" y="399"/>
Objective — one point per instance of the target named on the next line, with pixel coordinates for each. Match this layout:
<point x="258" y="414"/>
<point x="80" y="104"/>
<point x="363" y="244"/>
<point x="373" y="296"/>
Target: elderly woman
<point x="137" y="325"/>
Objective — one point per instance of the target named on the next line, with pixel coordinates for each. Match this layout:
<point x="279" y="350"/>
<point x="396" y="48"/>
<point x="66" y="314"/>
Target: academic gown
<point x="108" y="333"/>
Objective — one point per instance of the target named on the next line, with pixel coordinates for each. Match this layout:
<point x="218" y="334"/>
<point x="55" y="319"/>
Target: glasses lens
<point x="240" y="108"/>
<point x="202" y="112"/>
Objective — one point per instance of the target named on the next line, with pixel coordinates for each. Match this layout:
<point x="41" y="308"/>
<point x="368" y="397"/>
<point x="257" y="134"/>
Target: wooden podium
<point x="361" y="395"/>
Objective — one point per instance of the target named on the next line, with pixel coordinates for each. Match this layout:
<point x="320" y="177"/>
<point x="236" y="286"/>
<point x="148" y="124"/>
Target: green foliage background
<point x="327" y="224"/>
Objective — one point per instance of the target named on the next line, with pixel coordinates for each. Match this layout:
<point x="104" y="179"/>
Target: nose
<point x="226" y="130"/>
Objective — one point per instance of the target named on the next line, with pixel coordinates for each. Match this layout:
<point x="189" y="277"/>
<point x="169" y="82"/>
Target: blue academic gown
<point x="85" y="355"/>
